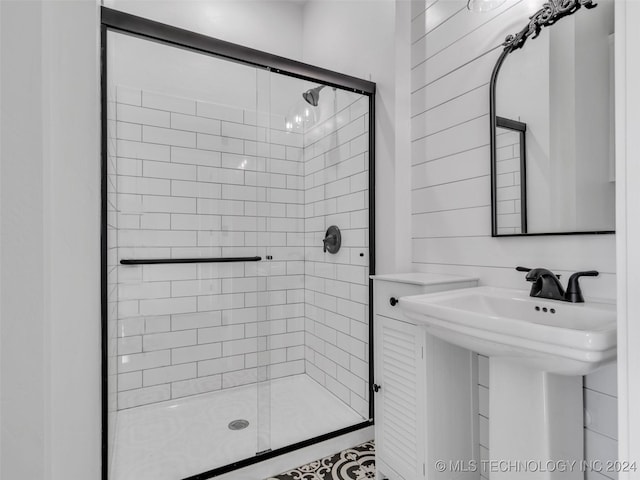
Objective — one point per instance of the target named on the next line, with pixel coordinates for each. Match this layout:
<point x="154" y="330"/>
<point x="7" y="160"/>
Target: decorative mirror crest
<point x="549" y="14"/>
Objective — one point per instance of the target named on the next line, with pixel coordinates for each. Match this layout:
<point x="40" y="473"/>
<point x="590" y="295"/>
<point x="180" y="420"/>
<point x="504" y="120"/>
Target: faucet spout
<point x="545" y="284"/>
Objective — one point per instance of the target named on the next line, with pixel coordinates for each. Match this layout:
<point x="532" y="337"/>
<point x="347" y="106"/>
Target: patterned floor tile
<point x="357" y="463"/>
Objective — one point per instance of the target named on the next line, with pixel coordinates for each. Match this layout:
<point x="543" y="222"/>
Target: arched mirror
<point x="552" y="123"/>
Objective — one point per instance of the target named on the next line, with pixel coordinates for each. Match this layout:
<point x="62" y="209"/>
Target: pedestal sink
<point x="538" y="351"/>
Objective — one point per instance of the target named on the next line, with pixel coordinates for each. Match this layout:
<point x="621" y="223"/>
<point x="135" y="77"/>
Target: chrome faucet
<point x="545" y="284"/>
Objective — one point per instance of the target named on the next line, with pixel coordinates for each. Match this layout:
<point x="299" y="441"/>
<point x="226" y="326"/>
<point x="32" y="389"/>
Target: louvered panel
<point x="402" y="355"/>
<point x="399" y="399"/>
<point x="400" y="408"/>
<point x="402" y="437"/>
<point x="400" y="420"/>
<point x="394" y="339"/>
<point x="399" y="372"/>
<point x="403" y="392"/>
<point x="396" y="452"/>
<point x="403" y="457"/>
<point x="398" y="355"/>
<point x="401" y="389"/>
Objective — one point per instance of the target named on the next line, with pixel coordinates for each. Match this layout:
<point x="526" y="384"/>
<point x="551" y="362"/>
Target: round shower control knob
<point x="393" y="301"/>
<point x="332" y="240"/>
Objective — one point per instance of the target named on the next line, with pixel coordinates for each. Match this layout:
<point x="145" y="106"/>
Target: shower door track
<point x="120" y="22"/>
<point x="163" y="33"/>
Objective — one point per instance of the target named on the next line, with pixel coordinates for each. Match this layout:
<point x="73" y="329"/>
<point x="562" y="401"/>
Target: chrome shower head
<point x="312" y="95"/>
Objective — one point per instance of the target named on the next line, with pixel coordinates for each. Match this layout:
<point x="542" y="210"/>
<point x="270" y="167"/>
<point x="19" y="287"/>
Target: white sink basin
<point x="547" y="335"/>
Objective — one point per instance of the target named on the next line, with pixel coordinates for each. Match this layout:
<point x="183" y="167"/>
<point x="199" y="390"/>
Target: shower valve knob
<point x="332" y="240"/>
<point x="393" y="301"/>
<point x="376" y="387"/>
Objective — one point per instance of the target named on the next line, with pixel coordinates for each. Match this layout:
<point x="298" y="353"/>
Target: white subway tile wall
<point x="336" y="285"/>
<point x="193" y="179"/>
<point x="452" y="57"/>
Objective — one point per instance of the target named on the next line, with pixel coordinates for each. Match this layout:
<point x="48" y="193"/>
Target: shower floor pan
<point x="179" y="438"/>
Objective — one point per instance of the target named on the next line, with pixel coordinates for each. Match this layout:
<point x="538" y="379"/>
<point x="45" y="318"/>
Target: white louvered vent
<point x="400" y="349"/>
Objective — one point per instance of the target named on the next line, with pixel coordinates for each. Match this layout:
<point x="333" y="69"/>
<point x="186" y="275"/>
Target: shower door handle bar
<point x="160" y="261"/>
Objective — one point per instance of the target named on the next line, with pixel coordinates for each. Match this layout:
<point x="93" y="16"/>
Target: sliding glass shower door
<point x="319" y="171"/>
<point x="188" y="255"/>
<point x="237" y="320"/>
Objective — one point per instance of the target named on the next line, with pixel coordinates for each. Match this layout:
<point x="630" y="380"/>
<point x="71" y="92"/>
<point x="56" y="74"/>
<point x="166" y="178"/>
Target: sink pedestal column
<point x="535" y="423"/>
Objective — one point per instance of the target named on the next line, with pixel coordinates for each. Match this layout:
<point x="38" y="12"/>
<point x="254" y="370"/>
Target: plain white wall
<point x="23" y="330"/>
<point x="50" y="295"/>
<point x="402" y="126"/>
<point x="72" y="232"/>
<point x="628" y="227"/>
<point x="273" y="26"/>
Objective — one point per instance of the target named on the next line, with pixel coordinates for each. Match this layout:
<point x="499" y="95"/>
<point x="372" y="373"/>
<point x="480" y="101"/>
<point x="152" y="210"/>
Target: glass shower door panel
<point x="263" y="213"/>
<point x="184" y="176"/>
<point x="320" y="331"/>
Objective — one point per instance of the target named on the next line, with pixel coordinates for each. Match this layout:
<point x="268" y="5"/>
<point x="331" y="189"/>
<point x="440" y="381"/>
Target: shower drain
<point x="238" y="424"/>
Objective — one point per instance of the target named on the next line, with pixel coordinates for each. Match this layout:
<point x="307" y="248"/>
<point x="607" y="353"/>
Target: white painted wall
<point x="628" y="227"/>
<point x="402" y="126"/>
<point x="273" y="26"/>
<point x="50" y="296"/>
<point x="24" y="405"/>
<point x="72" y="233"/>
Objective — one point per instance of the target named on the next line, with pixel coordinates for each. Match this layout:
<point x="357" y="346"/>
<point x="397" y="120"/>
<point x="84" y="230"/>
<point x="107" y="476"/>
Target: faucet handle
<point x="527" y="269"/>
<point x="588" y="273"/>
<point x="574" y="292"/>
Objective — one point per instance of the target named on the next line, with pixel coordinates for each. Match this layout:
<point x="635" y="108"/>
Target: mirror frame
<point x="550" y="13"/>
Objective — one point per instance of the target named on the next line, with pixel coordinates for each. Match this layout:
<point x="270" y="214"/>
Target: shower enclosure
<point x="230" y="333"/>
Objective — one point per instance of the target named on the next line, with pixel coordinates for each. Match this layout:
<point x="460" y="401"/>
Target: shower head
<point x="312" y="95"/>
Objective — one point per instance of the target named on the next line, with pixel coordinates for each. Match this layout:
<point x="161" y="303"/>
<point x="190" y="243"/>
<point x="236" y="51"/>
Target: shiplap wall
<point x="453" y="52"/>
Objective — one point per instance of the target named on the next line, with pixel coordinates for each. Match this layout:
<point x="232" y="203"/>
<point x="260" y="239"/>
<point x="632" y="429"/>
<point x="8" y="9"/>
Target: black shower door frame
<point x="120" y="22"/>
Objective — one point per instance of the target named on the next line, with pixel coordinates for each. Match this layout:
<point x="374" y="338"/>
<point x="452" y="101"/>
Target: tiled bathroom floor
<point x="357" y="463"/>
<point x="176" y="439"/>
